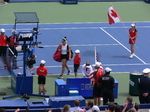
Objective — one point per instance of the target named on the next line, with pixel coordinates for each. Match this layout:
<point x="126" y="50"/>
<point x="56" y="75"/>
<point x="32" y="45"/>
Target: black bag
<point x="68" y="52"/>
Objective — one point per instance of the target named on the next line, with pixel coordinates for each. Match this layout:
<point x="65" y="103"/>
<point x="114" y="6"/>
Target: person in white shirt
<point x="87" y="69"/>
<point x="65" y="56"/>
<point x="76" y="106"/>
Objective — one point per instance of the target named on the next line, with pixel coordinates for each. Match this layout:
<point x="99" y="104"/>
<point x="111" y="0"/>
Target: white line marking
<point x="81" y="45"/>
<point x="121" y="44"/>
<point x="74" y="28"/>
<point x="80" y="23"/>
<point x="134" y="64"/>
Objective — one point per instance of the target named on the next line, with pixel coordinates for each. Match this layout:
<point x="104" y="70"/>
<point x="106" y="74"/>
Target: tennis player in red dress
<point x="132" y="38"/>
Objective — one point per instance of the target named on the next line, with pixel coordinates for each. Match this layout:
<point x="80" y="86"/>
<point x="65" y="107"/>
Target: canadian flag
<point x="113" y="15"/>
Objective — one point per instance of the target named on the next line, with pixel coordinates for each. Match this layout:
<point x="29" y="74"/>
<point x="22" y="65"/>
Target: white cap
<point x="133" y="24"/>
<point x="107" y="69"/>
<point x="97" y="64"/>
<point x="77" y="51"/>
<point x="14" y="31"/>
<point x="2" y="30"/>
<point x="43" y="62"/>
<point x="95" y="107"/>
<point x="146" y="70"/>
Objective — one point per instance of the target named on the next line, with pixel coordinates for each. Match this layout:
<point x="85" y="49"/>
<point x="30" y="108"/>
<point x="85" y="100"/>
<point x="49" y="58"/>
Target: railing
<point x="11" y="59"/>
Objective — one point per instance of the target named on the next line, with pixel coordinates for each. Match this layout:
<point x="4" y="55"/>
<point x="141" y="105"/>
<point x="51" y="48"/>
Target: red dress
<point x="132" y="33"/>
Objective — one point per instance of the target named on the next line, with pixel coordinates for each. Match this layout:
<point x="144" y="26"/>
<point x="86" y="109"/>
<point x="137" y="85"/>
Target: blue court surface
<point x="111" y="42"/>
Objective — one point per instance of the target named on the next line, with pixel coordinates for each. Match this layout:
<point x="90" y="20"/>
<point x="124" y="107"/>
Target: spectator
<point x="66" y="108"/>
<point x="90" y="107"/>
<point x="128" y="104"/>
<point x="13" y="43"/>
<point x="97" y="89"/>
<point x="132" y="38"/>
<point x="118" y="108"/>
<point x="65" y="56"/>
<point x="77" y="61"/>
<point x="2" y="110"/>
<point x="132" y="110"/>
<point x="107" y="83"/>
<point x="87" y="69"/>
<point x="42" y="72"/>
<point x="144" y="87"/>
<point x="136" y="106"/>
<point x="76" y="106"/>
<point x="17" y="110"/>
<point x="111" y="107"/>
<point x="3" y="46"/>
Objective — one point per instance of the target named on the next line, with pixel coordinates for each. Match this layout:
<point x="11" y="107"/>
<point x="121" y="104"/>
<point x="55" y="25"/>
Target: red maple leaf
<point x="114" y="14"/>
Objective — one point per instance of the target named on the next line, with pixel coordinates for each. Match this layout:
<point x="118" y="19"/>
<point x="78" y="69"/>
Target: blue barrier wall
<point x="81" y="84"/>
<point x="59" y="0"/>
<point x="18" y="83"/>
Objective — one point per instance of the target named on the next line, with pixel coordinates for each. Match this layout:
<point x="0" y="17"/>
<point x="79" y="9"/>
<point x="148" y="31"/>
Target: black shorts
<point x="76" y="66"/>
<point x="3" y="50"/>
<point x="41" y="80"/>
<point x="30" y="66"/>
<point x="64" y="56"/>
<point x="96" y="91"/>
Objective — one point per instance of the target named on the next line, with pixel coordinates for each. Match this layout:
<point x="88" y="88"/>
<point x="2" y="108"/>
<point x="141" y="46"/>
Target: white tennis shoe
<point x="132" y="55"/>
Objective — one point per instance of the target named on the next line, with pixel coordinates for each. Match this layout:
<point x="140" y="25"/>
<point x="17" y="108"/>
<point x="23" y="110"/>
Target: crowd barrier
<point x="43" y="105"/>
<point x="21" y="84"/>
<point x="70" y="0"/>
<point x="81" y="86"/>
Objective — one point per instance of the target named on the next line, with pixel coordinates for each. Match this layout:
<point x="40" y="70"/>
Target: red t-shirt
<point x="3" y="40"/>
<point x="42" y="71"/>
<point x="98" y="75"/>
<point x="132" y="33"/>
<point x="77" y="59"/>
<point x="12" y="41"/>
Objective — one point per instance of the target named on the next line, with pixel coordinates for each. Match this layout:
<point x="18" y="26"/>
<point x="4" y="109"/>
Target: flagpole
<point x="95" y="53"/>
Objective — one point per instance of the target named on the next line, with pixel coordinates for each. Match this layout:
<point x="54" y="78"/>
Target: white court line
<point x="122" y="45"/>
<point x="79" y="23"/>
<point x="66" y="28"/>
<point x="81" y="45"/>
<point x="104" y="65"/>
<point x="135" y="64"/>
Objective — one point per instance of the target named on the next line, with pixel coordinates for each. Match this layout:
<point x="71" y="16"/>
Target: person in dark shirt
<point x="144" y="87"/>
<point x="128" y="104"/>
<point x="111" y="107"/>
<point x="107" y="84"/>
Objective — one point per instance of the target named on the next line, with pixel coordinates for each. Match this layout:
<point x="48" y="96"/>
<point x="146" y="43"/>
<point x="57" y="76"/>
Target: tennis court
<point x="111" y="41"/>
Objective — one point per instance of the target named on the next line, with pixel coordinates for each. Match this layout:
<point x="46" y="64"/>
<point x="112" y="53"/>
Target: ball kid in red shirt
<point x="77" y="61"/>
<point x="42" y="72"/>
